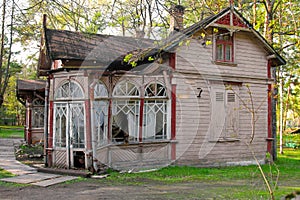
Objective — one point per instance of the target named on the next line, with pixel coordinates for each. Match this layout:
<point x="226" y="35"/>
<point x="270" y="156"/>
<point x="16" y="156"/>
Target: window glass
<point x="125" y="124"/>
<point x="125" y="113"/>
<point x="100" y="114"/>
<point x="224" y="47"/>
<point x="155" y="113"/>
<point x="69" y="90"/>
<point x="219" y="52"/>
<point x="37" y="118"/>
<point x="60" y="125"/>
<point x="228" y="53"/>
<point x="126" y="89"/>
<point x="100" y="90"/>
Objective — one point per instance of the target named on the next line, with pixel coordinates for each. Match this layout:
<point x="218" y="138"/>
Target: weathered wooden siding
<point x="195" y="69"/>
<point x="135" y="156"/>
<point x="249" y="57"/>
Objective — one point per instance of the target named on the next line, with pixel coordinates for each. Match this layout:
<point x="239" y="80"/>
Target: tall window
<point x="125" y="112"/>
<point x="224" y="47"/>
<point x="126" y="122"/>
<point x="38" y="113"/>
<point x="155" y="112"/>
<point x="69" y="116"/>
<point x="100" y="113"/>
<point x="60" y="125"/>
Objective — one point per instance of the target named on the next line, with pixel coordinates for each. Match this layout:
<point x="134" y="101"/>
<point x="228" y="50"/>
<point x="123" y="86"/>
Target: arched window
<point x="69" y="90"/>
<point x="69" y="124"/>
<point x="100" y="90"/>
<point x="125" y="112"/>
<point x="155" y="112"/>
<point x="100" y="114"/>
<point x="126" y="89"/>
<point x="37" y="117"/>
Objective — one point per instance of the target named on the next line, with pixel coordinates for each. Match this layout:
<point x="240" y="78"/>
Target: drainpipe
<point x="46" y="112"/>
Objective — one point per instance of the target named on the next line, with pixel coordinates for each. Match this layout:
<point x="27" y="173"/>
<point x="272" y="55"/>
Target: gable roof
<point x="176" y="38"/>
<point x="87" y="49"/>
<point x="109" y="51"/>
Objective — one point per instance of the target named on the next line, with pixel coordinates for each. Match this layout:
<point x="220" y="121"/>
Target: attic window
<point x="224" y="47"/>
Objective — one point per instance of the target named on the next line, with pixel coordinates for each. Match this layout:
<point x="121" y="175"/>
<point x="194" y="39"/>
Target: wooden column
<point x="141" y="120"/>
<point x="29" y="119"/>
<point x="172" y="64"/>
<point x="50" y="136"/>
<point x="88" y="125"/>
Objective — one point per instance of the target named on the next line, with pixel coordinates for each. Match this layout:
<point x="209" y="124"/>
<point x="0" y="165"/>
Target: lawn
<point x="224" y="180"/>
<point x="11" y="131"/>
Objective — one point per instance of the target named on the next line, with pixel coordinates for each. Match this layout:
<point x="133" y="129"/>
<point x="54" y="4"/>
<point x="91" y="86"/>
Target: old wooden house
<point x="31" y="93"/>
<point x="137" y="103"/>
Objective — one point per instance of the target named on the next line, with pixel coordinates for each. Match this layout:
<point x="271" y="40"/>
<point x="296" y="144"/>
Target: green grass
<point x="6" y="174"/>
<point x="251" y="184"/>
<point x="11" y="131"/>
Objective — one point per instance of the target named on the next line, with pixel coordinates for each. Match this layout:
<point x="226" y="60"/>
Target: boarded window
<point x="225" y="113"/>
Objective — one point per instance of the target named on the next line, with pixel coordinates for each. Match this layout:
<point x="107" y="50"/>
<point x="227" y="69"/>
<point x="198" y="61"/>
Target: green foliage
<point x="128" y="57"/>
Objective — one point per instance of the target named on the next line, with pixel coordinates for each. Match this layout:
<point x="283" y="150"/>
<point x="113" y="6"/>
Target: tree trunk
<point x="2" y="50"/>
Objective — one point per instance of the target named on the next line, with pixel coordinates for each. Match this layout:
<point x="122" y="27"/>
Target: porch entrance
<point x="69" y="135"/>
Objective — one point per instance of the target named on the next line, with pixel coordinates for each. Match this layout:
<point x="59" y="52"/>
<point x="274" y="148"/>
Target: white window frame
<point x="156" y="101"/>
<point x="100" y="106"/>
<point x="38" y="111"/>
<point x="126" y="102"/>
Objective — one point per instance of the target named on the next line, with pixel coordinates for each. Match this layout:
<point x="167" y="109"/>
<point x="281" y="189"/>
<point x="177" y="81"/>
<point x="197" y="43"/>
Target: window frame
<point x="38" y="113"/>
<point x="126" y="97"/>
<point x="224" y="43"/>
<point x="100" y="109"/>
<point x="156" y="100"/>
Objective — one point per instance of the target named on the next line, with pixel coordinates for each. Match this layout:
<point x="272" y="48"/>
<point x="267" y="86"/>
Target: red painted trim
<point x="88" y="132"/>
<point x="173" y="113"/>
<point x="29" y="130"/>
<point x="172" y="60"/>
<point x="109" y="120"/>
<point x="50" y="139"/>
<point x="224" y="44"/>
<point x="172" y="64"/>
<point x="141" y="120"/>
<point x="236" y="21"/>
<point x="50" y="136"/>
<point x="173" y="122"/>
<point x="269" y="145"/>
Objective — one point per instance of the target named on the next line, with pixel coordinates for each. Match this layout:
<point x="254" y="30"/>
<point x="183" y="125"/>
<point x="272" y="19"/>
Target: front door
<point x="69" y="135"/>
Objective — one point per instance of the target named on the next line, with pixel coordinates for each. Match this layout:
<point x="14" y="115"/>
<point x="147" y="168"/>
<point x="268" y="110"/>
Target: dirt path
<point x="95" y="189"/>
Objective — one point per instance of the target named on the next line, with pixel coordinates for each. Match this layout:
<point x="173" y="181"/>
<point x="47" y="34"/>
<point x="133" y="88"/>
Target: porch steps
<point x="68" y="172"/>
